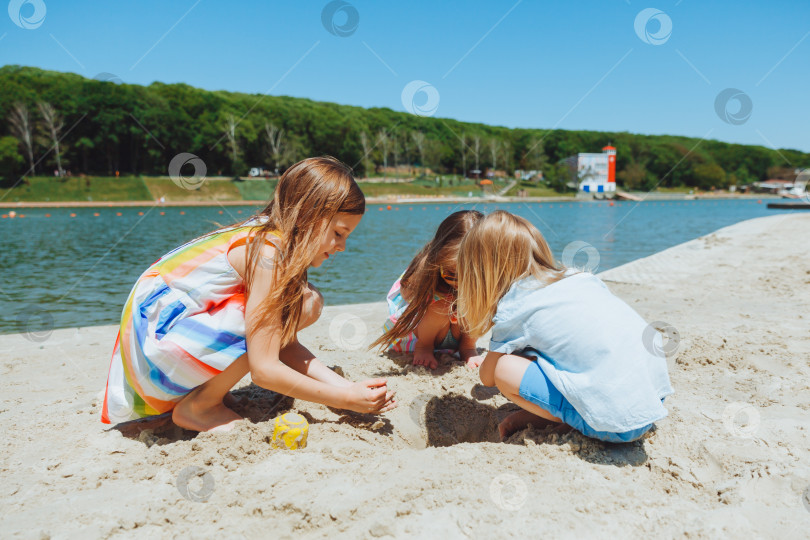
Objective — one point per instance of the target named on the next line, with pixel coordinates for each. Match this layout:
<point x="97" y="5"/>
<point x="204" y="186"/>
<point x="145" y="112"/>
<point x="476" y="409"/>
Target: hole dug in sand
<point x="453" y="419"/>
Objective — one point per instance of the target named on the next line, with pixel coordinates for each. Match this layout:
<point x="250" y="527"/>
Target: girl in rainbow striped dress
<point x="231" y="303"/>
<point x="421" y="303"/>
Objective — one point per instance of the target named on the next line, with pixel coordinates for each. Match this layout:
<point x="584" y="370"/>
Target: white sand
<point x="731" y="460"/>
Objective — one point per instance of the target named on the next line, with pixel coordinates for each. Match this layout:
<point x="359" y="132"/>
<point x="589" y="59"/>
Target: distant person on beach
<point x="563" y="347"/>
<point x="231" y="303"/>
<point x="421" y="303"/>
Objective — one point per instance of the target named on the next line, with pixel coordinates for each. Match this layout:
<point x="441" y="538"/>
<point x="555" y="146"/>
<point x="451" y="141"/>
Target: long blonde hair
<point x="499" y="250"/>
<point x="423" y="276"/>
<point x="307" y="197"/>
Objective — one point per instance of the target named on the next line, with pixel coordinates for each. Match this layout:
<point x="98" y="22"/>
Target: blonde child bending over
<point x="563" y="347"/>
<point x="421" y="303"/>
<point x="231" y="303"/>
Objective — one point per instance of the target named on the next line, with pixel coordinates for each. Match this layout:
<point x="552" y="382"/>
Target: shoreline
<point x="728" y="461"/>
<point x="381" y="200"/>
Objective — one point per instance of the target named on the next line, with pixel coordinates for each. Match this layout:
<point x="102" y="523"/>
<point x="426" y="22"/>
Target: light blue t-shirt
<point x="590" y="347"/>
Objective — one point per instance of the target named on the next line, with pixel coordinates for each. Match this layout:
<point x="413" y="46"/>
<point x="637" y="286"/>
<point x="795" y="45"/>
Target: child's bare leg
<point x="509" y="373"/>
<point x="206" y="407"/>
<point x="519" y="420"/>
<point x="203" y="409"/>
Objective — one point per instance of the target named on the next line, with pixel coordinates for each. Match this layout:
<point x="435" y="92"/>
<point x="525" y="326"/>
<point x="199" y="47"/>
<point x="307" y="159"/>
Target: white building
<point x="594" y="173"/>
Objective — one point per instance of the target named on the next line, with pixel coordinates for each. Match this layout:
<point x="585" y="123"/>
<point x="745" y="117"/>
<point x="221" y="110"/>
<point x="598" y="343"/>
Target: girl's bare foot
<point x="195" y="414"/>
<point x="519" y="420"/>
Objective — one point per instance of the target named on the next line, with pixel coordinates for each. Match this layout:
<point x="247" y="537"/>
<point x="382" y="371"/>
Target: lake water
<point x="63" y="271"/>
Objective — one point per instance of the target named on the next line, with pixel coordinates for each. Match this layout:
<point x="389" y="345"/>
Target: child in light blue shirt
<point x="563" y="347"/>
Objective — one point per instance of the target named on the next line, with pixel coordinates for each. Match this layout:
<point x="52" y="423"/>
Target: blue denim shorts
<point x="537" y="388"/>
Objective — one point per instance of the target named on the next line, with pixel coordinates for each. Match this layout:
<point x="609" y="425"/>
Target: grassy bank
<point x="148" y="188"/>
<point x="220" y="190"/>
<point x="50" y="189"/>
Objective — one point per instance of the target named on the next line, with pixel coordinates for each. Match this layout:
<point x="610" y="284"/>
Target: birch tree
<point x="230" y="132"/>
<point x="494" y="146"/>
<point x="506" y="153"/>
<point x="384" y="141"/>
<point x="275" y="139"/>
<point x="54" y="123"/>
<point x="367" y="148"/>
<point x="22" y="128"/>
<point x="395" y="149"/>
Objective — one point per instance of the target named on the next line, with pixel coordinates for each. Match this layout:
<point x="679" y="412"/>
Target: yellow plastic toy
<point x="290" y="431"/>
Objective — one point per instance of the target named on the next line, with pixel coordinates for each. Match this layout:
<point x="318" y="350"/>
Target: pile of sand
<point x="731" y="459"/>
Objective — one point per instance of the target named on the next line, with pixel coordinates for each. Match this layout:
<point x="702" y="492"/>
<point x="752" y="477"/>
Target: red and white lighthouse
<point x="611" y="152"/>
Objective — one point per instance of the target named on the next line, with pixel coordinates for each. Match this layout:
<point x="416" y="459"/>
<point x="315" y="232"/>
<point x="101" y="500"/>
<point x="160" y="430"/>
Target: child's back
<point x="563" y="347"/>
<point x="589" y="344"/>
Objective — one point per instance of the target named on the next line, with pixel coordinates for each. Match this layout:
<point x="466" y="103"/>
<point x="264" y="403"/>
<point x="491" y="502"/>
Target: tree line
<point x="55" y="122"/>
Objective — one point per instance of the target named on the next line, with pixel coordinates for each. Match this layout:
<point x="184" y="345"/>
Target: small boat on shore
<point x="790" y="206"/>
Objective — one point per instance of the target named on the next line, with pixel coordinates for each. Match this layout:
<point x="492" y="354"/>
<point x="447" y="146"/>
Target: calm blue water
<point x="63" y="271"/>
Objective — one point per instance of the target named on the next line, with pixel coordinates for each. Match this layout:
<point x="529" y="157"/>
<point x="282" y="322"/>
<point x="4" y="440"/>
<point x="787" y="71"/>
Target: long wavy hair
<point x="499" y="250"/>
<point x="307" y="197"/>
<point x="423" y="277"/>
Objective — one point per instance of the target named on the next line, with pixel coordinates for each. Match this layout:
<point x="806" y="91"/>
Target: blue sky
<point x="529" y="63"/>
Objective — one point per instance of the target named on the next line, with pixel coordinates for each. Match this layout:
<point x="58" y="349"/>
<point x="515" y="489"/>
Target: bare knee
<point x="509" y="373"/>
<point x="311" y="306"/>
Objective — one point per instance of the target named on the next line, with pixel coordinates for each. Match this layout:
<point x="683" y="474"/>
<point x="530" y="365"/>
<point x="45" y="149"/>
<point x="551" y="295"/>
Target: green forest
<point x="65" y="122"/>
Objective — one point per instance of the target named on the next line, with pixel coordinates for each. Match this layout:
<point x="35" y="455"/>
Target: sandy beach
<point x="732" y="459"/>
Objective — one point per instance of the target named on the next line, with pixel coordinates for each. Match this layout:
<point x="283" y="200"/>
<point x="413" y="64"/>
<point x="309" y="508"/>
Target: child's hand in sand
<point x="471" y="357"/>
<point x="371" y="396"/>
<point x="474" y="362"/>
<point x="425" y="358"/>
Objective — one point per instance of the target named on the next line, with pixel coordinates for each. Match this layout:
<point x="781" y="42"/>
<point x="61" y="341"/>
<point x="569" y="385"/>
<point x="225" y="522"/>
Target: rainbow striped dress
<point x="183" y="323"/>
